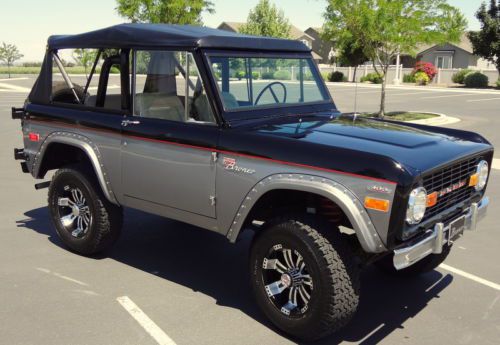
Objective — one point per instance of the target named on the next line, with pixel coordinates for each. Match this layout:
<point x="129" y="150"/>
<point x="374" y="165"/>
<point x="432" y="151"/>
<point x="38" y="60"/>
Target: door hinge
<point x="215" y="155"/>
<point x="212" y="200"/>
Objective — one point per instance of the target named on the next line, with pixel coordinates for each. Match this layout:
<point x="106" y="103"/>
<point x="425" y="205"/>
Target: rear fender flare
<point x="87" y="146"/>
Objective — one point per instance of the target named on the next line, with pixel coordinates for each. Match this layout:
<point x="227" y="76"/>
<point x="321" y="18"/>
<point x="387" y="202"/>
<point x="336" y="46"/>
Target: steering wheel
<point x="270" y="88"/>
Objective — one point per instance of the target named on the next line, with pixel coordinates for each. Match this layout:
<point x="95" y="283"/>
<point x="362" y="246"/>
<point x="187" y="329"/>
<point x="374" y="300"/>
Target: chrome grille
<point x="448" y="176"/>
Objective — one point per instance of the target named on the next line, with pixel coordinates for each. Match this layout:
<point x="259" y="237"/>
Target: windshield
<point x="246" y="83"/>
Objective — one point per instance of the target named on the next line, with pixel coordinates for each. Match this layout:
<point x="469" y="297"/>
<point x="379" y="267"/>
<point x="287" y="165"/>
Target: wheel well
<point x="58" y="155"/>
<point x="282" y="201"/>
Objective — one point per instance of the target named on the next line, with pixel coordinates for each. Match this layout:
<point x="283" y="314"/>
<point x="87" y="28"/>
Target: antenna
<point x="355" y="97"/>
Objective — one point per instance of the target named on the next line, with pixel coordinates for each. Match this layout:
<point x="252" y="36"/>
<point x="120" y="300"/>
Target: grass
<point x="36" y="70"/>
<point x="403" y="115"/>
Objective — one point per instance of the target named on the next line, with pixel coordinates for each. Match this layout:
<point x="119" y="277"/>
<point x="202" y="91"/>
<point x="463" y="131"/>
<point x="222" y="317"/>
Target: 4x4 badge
<point x="230" y="164"/>
<point x="379" y="189"/>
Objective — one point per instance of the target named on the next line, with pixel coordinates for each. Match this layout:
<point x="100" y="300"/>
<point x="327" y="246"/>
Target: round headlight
<point x="417" y="204"/>
<point x="482" y="175"/>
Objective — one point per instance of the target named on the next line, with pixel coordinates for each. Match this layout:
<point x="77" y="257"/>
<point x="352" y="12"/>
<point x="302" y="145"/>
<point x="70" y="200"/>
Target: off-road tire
<point x="62" y="93"/>
<point x="425" y="265"/>
<point x="331" y="264"/>
<point x="106" y="218"/>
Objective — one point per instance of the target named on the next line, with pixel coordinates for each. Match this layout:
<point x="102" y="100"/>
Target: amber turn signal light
<point x="432" y="199"/>
<point x="377" y="204"/>
<point x="473" y="180"/>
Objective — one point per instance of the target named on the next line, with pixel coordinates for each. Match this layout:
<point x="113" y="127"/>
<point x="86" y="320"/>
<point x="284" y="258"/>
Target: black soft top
<point x="163" y="35"/>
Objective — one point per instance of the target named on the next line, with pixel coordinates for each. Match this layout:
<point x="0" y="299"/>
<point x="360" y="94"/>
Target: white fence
<point x="443" y="76"/>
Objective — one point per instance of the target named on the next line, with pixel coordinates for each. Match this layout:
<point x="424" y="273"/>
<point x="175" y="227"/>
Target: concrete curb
<point x="440" y="120"/>
<point x="417" y="88"/>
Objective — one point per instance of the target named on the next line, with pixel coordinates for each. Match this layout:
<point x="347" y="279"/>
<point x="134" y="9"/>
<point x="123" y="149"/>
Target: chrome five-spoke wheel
<point x="74" y="211"/>
<point x="287" y="282"/>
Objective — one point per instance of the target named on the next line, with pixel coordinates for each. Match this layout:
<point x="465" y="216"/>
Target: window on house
<point x="443" y="61"/>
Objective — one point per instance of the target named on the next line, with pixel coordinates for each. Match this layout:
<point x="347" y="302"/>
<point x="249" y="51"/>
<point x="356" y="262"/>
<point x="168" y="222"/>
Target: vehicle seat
<point x="111" y="101"/>
<point x="204" y="110"/>
<point x="159" y="105"/>
<point x="230" y="101"/>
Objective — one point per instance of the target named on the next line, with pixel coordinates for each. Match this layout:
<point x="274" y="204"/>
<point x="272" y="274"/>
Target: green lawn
<point x="36" y="70"/>
<point x="403" y="115"/>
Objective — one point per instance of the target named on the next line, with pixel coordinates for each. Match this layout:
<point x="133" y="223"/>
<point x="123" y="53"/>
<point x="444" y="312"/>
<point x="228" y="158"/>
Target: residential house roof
<point x="295" y="32"/>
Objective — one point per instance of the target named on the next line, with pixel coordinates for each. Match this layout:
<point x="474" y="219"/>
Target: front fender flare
<point x="365" y="231"/>
<point x="87" y="146"/>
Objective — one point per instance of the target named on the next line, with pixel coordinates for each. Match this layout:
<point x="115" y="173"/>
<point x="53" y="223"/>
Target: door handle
<point x="125" y="123"/>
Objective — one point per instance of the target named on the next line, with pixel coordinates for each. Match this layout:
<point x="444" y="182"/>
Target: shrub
<point x="325" y="75"/>
<point x="408" y="78"/>
<point x="425" y="67"/>
<point x="476" y="79"/>
<point x="373" y="77"/>
<point x="421" y="78"/>
<point x="267" y="75"/>
<point x="498" y="83"/>
<point x="255" y="75"/>
<point x="335" y="76"/>
<point x="282" y="75"/>
<point x="459" y="77"/>
<point x="308" y="76"/>
<point x="239" y="74"/>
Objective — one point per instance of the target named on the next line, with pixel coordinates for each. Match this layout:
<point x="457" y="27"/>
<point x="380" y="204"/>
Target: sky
<point x="28" y="23"/>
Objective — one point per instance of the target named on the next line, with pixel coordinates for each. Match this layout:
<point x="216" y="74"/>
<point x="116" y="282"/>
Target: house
<point x="295" y="34"/>
<point x="449" y="55"/>
<point x="319" y="46"/>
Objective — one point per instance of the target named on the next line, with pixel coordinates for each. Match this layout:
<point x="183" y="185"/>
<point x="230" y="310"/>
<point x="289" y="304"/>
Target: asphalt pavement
<point x="169" y="283"/>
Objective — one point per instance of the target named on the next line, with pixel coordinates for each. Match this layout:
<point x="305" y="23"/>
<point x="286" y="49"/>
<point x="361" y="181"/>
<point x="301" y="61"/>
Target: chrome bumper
<point x="435" y="240"/>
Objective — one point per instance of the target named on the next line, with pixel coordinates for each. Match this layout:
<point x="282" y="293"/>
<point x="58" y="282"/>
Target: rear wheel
<point x="84" y="219"/>
<point x="306" y="284"/>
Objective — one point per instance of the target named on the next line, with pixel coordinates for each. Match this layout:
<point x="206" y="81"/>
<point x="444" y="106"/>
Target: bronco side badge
<point x="230" y="164"/>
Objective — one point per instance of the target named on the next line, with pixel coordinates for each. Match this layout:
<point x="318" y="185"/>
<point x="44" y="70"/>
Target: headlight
<point x="482" y="175"/>
<point x="416" y="205"/>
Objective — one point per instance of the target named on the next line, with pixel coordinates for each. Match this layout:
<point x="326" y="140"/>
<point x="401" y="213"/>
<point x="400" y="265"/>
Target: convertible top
<point x="164" y="35"/>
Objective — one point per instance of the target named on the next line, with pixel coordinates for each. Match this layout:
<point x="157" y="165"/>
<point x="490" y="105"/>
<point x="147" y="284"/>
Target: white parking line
<point x="149" y="326"/>
<point x="11" y="79"/>
<point x="14" y="87"/>
<point x="482" y="99"/>
<point x="471" y="277"/>
<point x="496" y="163"/>
<point x="445" y="96"/>
<point x="58" y="275"/>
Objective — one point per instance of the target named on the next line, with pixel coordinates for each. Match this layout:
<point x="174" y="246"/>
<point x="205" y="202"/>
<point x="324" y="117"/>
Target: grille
<point x="447" y="177"/>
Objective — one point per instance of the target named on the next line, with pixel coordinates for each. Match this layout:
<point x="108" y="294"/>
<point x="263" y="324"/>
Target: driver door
<point x="167" y="161"/>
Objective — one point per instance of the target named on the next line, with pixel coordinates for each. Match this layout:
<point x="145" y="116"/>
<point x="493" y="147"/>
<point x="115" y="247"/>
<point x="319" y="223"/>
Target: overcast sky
<point x="28" y="23"/>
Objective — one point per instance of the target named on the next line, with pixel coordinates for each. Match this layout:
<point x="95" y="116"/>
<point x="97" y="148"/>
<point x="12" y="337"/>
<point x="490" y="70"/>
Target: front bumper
<point x="436" y="238"/>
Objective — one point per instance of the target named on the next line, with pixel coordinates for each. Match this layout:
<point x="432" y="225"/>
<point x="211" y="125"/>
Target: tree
<point x="383" y="28"/>
<point x="9" y="54"/>
<point x="486" y="42"/>
<point x="266" y="20"/>
<point x="352" y="54"/>
<point x="164" y="11"/>
<point x="84" y="57"/>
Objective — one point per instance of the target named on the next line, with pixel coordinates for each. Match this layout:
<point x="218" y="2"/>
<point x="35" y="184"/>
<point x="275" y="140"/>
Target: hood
<point x="418" y="148"/>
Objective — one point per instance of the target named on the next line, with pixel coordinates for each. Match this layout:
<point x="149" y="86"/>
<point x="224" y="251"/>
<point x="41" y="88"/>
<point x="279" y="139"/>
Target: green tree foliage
<point x="486" y="42"/>
<point x="266" y="20"/>
<point x="84" y="57"/>
<point x="9" y="54"/>
<point x="382" y="28"/>
<point x="164" y="11"/>
<point x="352" y="54"/>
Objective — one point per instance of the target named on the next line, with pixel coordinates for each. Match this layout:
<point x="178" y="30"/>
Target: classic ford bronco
<point x="231" y="132"/>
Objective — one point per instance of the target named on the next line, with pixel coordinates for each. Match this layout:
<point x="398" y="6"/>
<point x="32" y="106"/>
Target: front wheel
<point x="84" y="219"/>
<point x="305" y="284"/>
